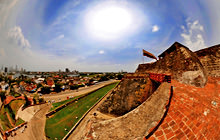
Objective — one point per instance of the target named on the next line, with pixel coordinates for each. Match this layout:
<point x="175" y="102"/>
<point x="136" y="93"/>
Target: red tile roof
<point x="8" y="99"/>
<point x="11" y="98"/>
<point x="50" y="82"/>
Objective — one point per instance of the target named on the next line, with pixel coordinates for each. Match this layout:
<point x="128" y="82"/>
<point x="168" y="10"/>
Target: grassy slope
<point x="66" y="118"/>
<point x="15" y="105"/>
<point x="4" y="119"/>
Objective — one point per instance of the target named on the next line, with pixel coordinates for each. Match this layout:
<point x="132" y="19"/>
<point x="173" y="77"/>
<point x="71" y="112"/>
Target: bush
<point x="41" y="100"/>
<point x="73" y="87"/>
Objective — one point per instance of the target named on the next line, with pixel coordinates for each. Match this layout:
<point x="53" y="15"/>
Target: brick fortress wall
<point x="181" y="63"/>
<point x="132" y="91"/>
<point x="210" y="59"/>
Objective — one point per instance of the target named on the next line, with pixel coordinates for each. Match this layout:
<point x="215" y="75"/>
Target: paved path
<point x="28" y="113"/>
<point x="63" y="95"/>
<point x="35" y="128"/>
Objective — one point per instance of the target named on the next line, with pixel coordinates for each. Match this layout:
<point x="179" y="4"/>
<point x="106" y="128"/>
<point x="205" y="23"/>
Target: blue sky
<point x="55" y="34"/>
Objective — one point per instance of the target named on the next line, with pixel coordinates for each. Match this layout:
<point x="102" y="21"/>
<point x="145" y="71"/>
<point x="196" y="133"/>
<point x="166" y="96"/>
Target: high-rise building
<point x="67" y="70"/>
<point x="6" y="69"/>
<point x="16" y="68"/>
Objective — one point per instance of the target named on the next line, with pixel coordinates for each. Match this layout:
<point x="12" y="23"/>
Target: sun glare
<point x="108" y="22"/>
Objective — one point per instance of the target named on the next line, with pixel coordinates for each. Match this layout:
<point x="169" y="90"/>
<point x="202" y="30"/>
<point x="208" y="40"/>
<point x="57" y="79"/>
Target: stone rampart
<point x="133" y="90"/>
<point x="136" y="123"/>
<point x="181" y="63"/>
<point x="210" y="59"/>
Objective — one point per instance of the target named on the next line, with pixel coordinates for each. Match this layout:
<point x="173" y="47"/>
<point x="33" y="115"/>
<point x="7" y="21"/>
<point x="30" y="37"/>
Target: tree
<point x="35" y="101"/>
<point x="90" y="82"/>
<point x="45" y="90"/>
<point x="104" y="78"/>
<point x="119" y="76"/>
<point x="39" y="85"/>
<point x="3" y="96"/>
<point x="27" y="102"/>
<point x="57" y="87"/>
<point x="1" y="78"/>
<point x="73" y="87"/>
<point x="28" y="81"/>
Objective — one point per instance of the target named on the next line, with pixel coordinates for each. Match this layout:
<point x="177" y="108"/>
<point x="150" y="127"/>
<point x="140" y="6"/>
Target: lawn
<point x="68" y="116"/>
<point x="16" y="104"/>
<point x="4" y="119"/>
<point x="55" y="105"/>
<point x="11" y="109"/>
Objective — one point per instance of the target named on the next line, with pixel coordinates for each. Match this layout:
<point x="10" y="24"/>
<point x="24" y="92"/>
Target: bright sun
<point x="108" y="22"/>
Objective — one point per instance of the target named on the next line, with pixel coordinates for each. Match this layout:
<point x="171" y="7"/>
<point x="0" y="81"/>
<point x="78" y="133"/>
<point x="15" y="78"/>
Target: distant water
<point x="28" y="75"/>
<point x="73" y="75"/>
<point x="33" y="75"/>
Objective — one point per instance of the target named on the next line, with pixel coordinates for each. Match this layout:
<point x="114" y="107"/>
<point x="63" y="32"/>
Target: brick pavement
<point x="194" y="113"/>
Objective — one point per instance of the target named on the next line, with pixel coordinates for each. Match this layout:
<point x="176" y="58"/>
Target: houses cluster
<point x="3" y="86"/>
<point x="50" y="82"/>
<point x="44" y="84"/>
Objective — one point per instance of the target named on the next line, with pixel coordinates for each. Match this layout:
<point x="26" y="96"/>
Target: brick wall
<point x="193" y="113"/>
<point x="181" y="63"/>
<point x="210" y="59"/>
<point x="133" y="90"/>
<point x="133" y="124"/>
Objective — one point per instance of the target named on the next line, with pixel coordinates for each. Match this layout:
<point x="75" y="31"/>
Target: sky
<point x="101" y="35"/>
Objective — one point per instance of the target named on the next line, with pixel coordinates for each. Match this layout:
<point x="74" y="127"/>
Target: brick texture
<point x="194" y="113"/>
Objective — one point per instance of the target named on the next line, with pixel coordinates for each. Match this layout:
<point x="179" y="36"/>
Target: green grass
<point x="66" y="118"/>
<point x="55" y="105"/>
<point x="14" y="105"/>
<point x="4" y="120"/>
<point x="19" y="121"/>
<point x="91" y="75"/>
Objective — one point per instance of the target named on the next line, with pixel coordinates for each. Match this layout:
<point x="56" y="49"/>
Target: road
<point x="63" y="95"/>
<point x="35" y="127"/>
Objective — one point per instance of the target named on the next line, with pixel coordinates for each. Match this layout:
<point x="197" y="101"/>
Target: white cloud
<point x="155" y="28"/>
<point x="60" y="36"/>
<point x="5" y="7"/>
<point x="56" y="40"/>
<point x="101" y="52"/>
<point x="192" y="35"/>
<point x="213" y="18"/>
<point x="16" y="36"/>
